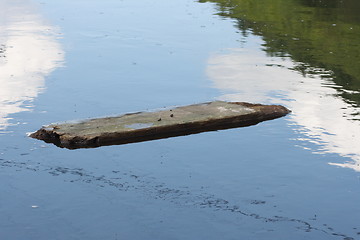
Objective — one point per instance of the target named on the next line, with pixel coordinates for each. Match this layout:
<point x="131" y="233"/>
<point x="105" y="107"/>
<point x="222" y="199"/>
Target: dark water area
<point x="291" y="178"/>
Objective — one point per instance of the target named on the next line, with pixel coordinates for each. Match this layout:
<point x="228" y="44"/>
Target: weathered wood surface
<point x="144" y="126"/>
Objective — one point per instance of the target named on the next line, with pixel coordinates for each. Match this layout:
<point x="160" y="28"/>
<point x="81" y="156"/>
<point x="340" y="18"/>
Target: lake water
<point x="297" y="177"/>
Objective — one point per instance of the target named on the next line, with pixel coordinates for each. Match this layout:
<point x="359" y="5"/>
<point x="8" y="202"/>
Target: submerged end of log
<point x="145" y="126"/>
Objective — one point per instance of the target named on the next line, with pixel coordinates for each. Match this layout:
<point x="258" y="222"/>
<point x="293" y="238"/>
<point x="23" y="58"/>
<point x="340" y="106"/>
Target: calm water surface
<point x="292" y="178"/>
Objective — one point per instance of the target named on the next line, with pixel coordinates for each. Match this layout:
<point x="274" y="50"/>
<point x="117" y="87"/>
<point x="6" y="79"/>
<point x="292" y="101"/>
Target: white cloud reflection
<point x="29" y="51"/>
<point x="318" y="113"/>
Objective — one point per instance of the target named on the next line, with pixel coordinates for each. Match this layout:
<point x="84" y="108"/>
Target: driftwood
<point x="144" y="126"/>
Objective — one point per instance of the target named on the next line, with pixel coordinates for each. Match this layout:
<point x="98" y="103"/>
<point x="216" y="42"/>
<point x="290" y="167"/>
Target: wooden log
<point x="144" y="126"/>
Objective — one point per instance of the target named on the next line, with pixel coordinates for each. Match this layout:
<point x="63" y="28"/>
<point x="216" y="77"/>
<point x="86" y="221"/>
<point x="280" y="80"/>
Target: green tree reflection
<point x="314" y="33"/>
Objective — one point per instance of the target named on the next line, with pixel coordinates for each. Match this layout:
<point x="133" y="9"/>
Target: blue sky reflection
<point x="320" y="115"/>
<point x="29" y="51"/>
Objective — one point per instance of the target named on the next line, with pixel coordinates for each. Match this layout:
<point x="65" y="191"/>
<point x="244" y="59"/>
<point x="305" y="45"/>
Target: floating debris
<point x="144" y="126"/>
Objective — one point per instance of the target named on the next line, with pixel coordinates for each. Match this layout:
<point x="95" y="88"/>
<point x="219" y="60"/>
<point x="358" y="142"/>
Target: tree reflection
<point x="309" y="63"/>
<point x="319" y="115"/>
<point x="320" y="34"/>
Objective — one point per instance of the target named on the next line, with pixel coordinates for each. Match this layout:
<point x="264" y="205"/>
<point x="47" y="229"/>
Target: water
<point x="291" y="178"/>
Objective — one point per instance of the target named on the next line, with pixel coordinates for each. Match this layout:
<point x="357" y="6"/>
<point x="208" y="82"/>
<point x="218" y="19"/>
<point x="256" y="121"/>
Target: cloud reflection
<point x="29" y="51"/>
<point x="319" y="113"/>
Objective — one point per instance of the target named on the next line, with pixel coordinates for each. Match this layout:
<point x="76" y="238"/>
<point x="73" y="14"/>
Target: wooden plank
<point x="144" y="126"/>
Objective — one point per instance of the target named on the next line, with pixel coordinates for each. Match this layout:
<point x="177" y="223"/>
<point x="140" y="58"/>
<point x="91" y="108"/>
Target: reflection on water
<point x="29" y="51"/>
<point x="318" y="111"/>
<point x="319" y="41"/>
<point x="316" y="34"/>
<point x="236" y="184"/>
